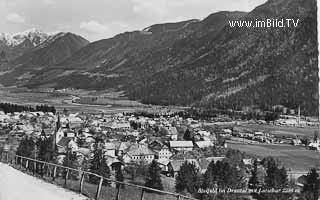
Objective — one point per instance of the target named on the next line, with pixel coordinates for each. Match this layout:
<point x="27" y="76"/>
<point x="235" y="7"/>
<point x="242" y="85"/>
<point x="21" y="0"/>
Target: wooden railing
<point x="79" y="182"/>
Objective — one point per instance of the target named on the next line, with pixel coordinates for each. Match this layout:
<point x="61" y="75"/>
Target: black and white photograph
<point x="159" y="100"/>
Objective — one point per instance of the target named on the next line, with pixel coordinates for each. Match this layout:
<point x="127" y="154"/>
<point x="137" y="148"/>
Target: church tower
<point x="54" y="141"/>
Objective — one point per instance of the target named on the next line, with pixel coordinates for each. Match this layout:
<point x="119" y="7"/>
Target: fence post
<point x="54" y="173"/>
<point x="11" y="159"/>
<point x="7" y="157"/>
<point x="142" y="194"/>
<point x="178" y="197"/>
<point x="99" y="188"/>
<point x="48" y="171"/>
<point x="118" y="193"/>
<point x="81" y="183"/>
<point x="16" y="160"/>
<point x="66" y="177"/>
<point x="34" y="167"/>
<point x="40" y="166"/>
<point x="27" y="164"/>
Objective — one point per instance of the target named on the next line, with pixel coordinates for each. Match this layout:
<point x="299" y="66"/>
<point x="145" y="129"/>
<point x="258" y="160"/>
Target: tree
<point x="81" y="142"/>
<point x="44" y="145"/>
<point x="187" y="178"/>
<point x="104" y="169"/>
<point x="70" y="160"/>
<point x="253" y="181"/>
<point x="282" y="178"/>
<point x="276" y="177"/>
<point x="187" y="135"/>
<point x="271" y="166"/>
<point x="272" y="116"/>
<point x="119" y="176"/>
<point x="223" y="175"/>
<point x="98" y="165"/>
<point x="153" y="178"/>
<point x="26" y="147"/>
<point x="311" y="189"/>
<point x="315" y="136"/>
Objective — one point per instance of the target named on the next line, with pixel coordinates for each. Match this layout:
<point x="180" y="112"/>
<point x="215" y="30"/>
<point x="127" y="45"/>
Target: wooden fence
<point x="77" y="180"/>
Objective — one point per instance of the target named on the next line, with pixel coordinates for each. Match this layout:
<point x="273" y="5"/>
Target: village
<point x="133" y="141"/>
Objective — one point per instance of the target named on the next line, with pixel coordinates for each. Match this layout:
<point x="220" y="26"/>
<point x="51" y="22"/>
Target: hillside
<point x="16" y="44"/>
<point x="48" y="53"/>
<point x="200" y="62"/>
<point x="246" y="67"/>
<point x="129" y="56"/>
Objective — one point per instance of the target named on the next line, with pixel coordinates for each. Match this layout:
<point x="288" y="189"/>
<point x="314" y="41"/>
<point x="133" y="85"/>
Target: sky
<point x="100" y="19"/>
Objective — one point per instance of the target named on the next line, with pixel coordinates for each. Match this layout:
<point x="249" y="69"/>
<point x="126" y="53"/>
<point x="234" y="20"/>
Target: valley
<point x="188" y="63"/>
<point x="113" y="102"/>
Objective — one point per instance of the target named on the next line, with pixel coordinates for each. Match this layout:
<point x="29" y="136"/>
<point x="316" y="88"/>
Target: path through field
<point x="15" y="185"/>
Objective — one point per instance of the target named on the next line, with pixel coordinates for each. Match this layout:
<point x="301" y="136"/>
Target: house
<point x="215" y="159"/>
<point x="203" y="144"/>
<point x="204" y="133"/>
<point x="247" y="161"/>
<point x="59" y="135"/>
<point x="315" y="145"/>
<point x="174" y="165"/>
<point x="296" y="142"/>
<point x="181" y="145"/>
<point x="120" y="126"/>
<point x="173" y="132"/>
<point x="203" y="165"/>
<point x="82" y="154"/>
<point x="161" y="150"/>
<point x="163" y="164"/>
<point x="113" y="161"/>
<point x="116" y="164"/>
<point x="66" y="144"/>
<point x="110" y="149"/>
<point x="74" y="121"/>
<point x="133" y="133"/>
<point x="139" y="153"/>
<point x="122" y="148"/>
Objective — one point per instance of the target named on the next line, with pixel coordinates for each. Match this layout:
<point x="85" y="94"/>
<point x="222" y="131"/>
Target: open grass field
<point x="281" y="130"/>
<point x="114" y="103"/>
<point x="292" y="157"/>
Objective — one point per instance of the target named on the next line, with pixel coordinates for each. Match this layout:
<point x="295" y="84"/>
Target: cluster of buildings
<point x="130" y="140"/>
<point x="125" y="139"/>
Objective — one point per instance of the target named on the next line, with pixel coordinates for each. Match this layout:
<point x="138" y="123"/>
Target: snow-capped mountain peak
<point x="34" y="35"/>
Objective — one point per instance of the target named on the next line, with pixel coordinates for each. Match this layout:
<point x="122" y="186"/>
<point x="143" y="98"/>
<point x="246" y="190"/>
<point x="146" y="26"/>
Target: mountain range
<point x="204" y="63"/>
<point x="15" y="44"/>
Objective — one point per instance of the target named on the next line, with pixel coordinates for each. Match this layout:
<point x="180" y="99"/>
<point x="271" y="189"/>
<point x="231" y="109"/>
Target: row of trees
<point x="224" y="175"/>
<point x="11" y="108"/>
<point x="41" y="149"/>
<point x="228" y="173"/>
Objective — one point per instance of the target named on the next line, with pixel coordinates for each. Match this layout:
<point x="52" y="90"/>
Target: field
<point x="116" y="102"/>
<point x="281" y="130"/>
<point x="294" y="158"/>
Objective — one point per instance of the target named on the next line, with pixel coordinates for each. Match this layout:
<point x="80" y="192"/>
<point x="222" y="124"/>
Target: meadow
<point x="295" y="158"/>
<point x="281" y="130"/>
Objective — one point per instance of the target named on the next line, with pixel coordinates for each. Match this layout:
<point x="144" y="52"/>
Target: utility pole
<point x="299" y="115"/>
<point x="318" y="29"/>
